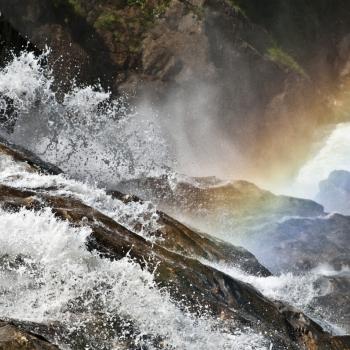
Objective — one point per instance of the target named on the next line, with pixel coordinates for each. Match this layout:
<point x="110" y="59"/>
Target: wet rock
<point x="13" y="338"/>
<point x="335" y="299"/>
<point x="301" y="244"/>
<point x="286" y="234"/>
<point x="319" y="245"/>
<point x="239" y="198"/>
<point x="217" y="206"/>
<point x="179" y="238"/>
<point x="340" y="343"/>
<point x="20" y="154"/>
<point x="187" y="279"/>
<point x="78" y="340"/>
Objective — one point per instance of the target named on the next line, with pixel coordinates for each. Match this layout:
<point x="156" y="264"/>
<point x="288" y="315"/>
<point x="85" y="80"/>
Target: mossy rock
<point x="284" y="59"/>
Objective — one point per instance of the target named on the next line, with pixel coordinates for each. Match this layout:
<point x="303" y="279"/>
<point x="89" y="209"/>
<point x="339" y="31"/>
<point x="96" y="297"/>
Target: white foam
<point x="46" y="269"/>
<point x="56" y="271"/>
<point x="299" y="291"/>
<point x="16" y="174"/>
<point x="85" y="132"/>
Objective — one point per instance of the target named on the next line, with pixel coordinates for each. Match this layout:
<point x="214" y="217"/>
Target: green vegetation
<point x="129" y="22"/>
<point x="75" y="4"/>
<point x="281" y="57"/>
<point x="106" y="21"/>
<point x="149" y="10"/>
<point x="237" y="7"/>
<point x="160" y="9"/>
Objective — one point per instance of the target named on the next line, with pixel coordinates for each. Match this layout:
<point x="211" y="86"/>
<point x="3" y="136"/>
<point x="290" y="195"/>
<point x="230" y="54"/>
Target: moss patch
<point x="106" y="21"/>
<point x="124" y="26"/>
<point x="74" y="5"/>
<point x="281" y="57"/>
<point x="237" y="7"/>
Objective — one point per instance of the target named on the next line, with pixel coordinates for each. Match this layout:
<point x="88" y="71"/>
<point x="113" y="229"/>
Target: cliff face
<point x="262" y="76"/>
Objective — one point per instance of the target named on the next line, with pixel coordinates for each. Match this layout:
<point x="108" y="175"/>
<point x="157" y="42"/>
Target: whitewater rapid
<point x="84" y="131"/>
<point x="298" y="290"/>
<point x="46" y="269"/>
<point x="47" y="275"/>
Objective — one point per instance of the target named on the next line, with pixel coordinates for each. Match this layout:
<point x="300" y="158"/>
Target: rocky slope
<point x="186" y="278"/>
<point x="312" y="244"/>
<point x="276" y="224"/>
<point x="287" y="234"/>
<point x="179" y="238"/>
<point x="208" y="202"/>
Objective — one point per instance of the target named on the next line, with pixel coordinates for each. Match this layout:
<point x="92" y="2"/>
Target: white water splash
<point x="47" y="275"/>
<point x="85" y="132"/>
<point x="299" y="290"/>
<point x="131" y="215"/>
<point x="53" y="277"/>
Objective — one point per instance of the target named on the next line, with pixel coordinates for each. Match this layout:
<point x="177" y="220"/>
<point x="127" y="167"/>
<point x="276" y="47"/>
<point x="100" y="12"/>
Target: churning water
<point x="85" y="132"/>
<point x="297" y="290"/>
<point x="46" y="273"/>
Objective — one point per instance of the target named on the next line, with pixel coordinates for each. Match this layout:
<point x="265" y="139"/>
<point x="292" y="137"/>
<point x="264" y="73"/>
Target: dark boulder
<point x="235" y="206"/>
<point x="301" y="244"/>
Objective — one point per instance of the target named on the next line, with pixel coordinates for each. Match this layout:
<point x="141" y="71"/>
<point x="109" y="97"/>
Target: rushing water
<point x="46" y="272"/>
<point x="297" y="290"/>
<point x="47" y="275"/>
<point x="84" y="132"/>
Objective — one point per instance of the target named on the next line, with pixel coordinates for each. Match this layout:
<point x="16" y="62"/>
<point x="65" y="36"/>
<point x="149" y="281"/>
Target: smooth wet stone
<point x="13" y="338"/>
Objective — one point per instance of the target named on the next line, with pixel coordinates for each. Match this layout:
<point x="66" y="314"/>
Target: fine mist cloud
<point x="191" y="124"/>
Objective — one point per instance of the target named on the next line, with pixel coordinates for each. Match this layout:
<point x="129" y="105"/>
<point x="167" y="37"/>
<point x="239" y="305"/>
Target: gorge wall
<point x="256" y="85"/>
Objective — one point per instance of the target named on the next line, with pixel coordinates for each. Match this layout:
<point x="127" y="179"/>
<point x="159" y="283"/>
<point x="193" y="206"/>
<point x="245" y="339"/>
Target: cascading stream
<point x="47" y="276"/>
<point x="46" y="273"/>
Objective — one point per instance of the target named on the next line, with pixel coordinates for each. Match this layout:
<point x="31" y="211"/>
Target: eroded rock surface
<point x="179" y="238"/>
<point x="215" y="204"/>
<point x="13" y="338"/>
<point x="286" y="234"/>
